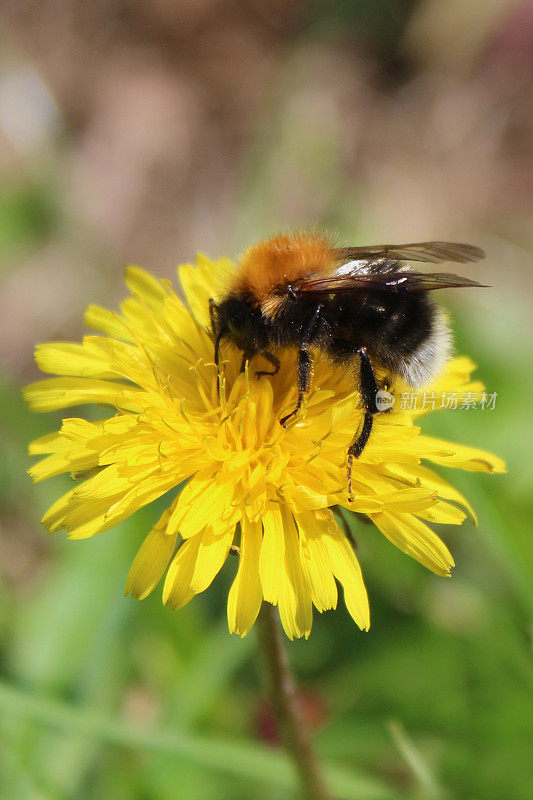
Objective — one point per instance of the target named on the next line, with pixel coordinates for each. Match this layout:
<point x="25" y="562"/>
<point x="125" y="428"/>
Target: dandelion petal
<point x="245" y="595"/>
<point x="272" y="553"/>
<point x="348" y="572"/>
<point x="294" y="599"/>
<point x="417" y="540"/>
<point x="151" y="561"/>
<point x="314" y="557"/>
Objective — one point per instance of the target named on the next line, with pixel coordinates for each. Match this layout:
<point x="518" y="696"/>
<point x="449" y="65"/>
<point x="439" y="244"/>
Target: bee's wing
<point x="416" y="251"/>
<point x="394" y="281"/>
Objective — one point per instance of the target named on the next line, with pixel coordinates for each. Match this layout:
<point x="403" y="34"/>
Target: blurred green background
<point x="143" y="132"/>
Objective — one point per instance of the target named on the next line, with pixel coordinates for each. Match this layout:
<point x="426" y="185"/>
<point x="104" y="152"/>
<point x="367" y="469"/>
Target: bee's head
<point x="241" y="317"/>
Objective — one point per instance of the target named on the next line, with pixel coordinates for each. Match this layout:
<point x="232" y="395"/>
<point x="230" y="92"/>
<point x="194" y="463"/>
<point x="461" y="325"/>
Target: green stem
<point x="291" y="725"/>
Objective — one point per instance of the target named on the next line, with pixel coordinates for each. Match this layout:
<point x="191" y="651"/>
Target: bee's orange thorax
<point x="279" y="261"/>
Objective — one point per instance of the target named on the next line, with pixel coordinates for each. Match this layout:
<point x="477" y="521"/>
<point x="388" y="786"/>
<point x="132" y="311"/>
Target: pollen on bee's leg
<point x="351" y="496"/>
<point x="284" y="420"/>
<point x="357" y="447"/>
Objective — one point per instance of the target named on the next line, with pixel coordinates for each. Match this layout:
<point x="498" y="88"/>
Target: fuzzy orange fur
<point x="281" y="260"/>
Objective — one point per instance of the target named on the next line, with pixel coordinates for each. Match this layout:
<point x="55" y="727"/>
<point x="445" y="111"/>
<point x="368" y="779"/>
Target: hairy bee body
<point x="362" y="307"/>
<point x="404" y="333"/>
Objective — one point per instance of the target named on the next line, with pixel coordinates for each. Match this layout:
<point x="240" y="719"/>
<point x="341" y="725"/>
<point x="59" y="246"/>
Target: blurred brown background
<point x="145" y="131"/>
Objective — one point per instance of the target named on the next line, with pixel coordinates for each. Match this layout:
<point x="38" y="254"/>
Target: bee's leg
<point x="218" y="334"/>
<point x="368" y="387"/>
<point x="304" y="369"/>
<point x="212" y="315"/>
<point x="273" y="360"/>
<point x="218" y="338"/>
<point x="305" y="362"/>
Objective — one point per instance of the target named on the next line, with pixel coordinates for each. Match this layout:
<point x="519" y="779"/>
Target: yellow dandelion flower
<point x="249" y="484"/>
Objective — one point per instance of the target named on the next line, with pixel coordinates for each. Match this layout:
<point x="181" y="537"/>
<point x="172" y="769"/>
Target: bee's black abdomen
<point x="409" y="322"/>
<point x="401" y="331"/>
<point x="396" y="328"/>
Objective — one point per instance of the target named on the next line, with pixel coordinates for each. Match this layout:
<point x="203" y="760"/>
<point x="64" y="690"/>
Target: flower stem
<point x="291" y="725"/>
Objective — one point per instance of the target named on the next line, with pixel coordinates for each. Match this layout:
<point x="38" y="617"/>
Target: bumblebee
<point x="362" y="307"/>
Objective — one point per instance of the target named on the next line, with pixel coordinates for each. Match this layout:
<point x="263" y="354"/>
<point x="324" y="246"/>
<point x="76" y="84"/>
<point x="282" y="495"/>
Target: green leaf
<point x="238" y="758"/>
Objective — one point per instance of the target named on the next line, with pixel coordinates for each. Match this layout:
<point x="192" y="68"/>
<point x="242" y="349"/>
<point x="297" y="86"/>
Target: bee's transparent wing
<point x="433" y="252"/>
<point x="384" y="282"/>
